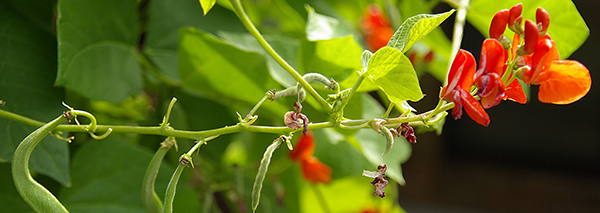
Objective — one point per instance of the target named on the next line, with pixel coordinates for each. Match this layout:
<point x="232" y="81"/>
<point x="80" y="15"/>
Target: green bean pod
<point x="38" y="197"/>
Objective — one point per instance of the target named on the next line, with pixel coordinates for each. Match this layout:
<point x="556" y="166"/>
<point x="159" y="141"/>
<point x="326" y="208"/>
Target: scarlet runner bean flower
<point x="535" y="62"/>
<point x="313" y="170"/>
<point x="376" y="28"/>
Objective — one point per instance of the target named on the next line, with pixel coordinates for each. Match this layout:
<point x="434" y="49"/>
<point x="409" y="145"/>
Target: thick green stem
<point x="239" y="11"/>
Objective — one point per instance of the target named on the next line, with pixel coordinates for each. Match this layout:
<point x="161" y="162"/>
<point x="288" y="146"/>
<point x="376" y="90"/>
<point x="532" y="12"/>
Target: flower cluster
<point x="376" y="28"/>
<point x="534" y="60"/>
<point x="313" y="170"/>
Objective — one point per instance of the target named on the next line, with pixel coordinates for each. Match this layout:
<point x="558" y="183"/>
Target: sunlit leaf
<point x="393" y="73"/>
<point x="322" y="27"/>
<point x="207" y="5"/>
<point x="415" y="28"/>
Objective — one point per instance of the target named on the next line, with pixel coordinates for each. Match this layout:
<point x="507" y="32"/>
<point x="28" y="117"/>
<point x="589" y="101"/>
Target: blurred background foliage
<point x="123" y="60"/>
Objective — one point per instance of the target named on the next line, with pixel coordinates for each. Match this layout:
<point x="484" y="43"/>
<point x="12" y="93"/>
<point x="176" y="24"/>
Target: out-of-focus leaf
<point x="348" y="195"/>
<point x="167" y="17"/>
<point x="207" y="5"/>
<point x="322" y="27"/>
<point x="393" y="73"/>
<point x="9" y="197"/>
<point x="415" y="28"/>
<point x="96" y="48"/>
<point x="212" y="68"/>
<point x="288" y="48"/>
<point x="107" y="177"/>
<point x="28" y="68"/>
<point x="329" y="145"/>
<point x="567" y="27"/>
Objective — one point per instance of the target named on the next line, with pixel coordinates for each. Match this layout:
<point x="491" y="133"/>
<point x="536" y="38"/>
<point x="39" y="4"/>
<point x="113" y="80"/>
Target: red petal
<point x="304" y="148"/>
<point x="461" y="72"/>
<point x="564" y="82"/>
<point x="474" y="109"/>
<point x="515" y="13"/>
<point x="531" y="37"/>
<point x="315" y="171"/>
<point x="514" y="92"/>
<point x="498" y="25"/>
<point x="545" y="53"/>
<point x="542" y="18"/>
<point x="493" y="57"/>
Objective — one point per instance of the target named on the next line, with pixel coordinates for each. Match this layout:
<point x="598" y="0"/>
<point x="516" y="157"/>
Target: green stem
<point x="388" y="111"/>
<point x="167" y="117"/>
<point x="239" y="11"/>
<point x="459" y="25"/>
<point x="257" y="106"/>
<point x="198" y="135"/>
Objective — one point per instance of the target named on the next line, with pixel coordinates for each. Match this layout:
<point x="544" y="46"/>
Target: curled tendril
<point x="92" y="126"/>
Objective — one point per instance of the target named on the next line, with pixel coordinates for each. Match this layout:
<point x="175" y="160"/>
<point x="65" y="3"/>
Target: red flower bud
<point x="543" y="19"/>
<point x="515" y="18"/>
<point x="515" y="13"/>
<point x="531" y="37"/>
<point x="498" y="25"/>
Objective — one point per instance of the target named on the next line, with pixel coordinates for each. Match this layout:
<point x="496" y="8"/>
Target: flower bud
<point x="498" y="25"/>
<point x="515" y="19"/>
<point x="531" y="37"/>
<point x="542" y="18"/>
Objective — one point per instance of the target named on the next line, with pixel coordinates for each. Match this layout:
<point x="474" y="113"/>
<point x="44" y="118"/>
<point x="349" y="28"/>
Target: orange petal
<point x="315" y="171"/>
<point x="474" y="109"/>
<point x="514" y="92"/>
<point x="564" y="82"/>
<point x="304" y="148"/>
<point x="492" y="58"/>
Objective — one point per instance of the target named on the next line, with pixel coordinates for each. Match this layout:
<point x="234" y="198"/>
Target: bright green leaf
<point x="393" y="73"/>
<point x="207" y="5"/>
<point x="336" y="58"/>
<point x="96" y="48"/>
<point x="215" y="69"/>
<point x="567" y="27"/>
<point x="415" y="28"/>
<point x="322" y="27"/>
<point x="107" y="177"/>
<point x="28" y="68"/>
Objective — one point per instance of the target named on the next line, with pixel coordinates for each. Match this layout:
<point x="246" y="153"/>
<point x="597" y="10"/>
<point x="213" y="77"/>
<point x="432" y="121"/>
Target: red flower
<point x="492" y="66"/>
<point x="376" y="28"/>
<point x="313" y="170"/>
<point x="561" y="81"/>
<point x="460" y="81"/>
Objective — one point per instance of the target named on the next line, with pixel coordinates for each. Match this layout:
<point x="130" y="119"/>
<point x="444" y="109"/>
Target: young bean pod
<point x="38" y="197"/>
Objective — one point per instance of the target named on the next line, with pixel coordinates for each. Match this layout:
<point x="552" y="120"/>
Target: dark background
<point x="533" y="158"/>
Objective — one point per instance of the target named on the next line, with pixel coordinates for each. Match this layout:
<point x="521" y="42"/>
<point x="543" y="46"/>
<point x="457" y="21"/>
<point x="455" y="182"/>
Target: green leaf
<point x="393" y="73"/>
<point x="28" y="68"/>
<point x="262" y="172"/>
<point x="167" y="17"/>
<point x="336" y="58"/>
<point x="415" y="28"/>
<point x="107" y="177"/>
<point x="96" y="48"/>
<point x="207" y="5"/>
<point x="212" y="68"/>
<point x="9" y="197"/>
<point x="322" y="27"/>
<point x="567" y="27"/>
<point x="288" y="48"/>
